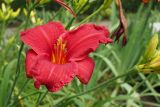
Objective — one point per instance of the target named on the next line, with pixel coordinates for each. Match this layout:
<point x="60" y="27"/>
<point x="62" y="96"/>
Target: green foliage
<point x="114" y="83"/>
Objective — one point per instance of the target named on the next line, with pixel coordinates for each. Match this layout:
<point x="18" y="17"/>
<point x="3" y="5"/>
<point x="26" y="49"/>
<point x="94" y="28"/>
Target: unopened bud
<point x="151" y="58"/>
<point x="151" y="50"/>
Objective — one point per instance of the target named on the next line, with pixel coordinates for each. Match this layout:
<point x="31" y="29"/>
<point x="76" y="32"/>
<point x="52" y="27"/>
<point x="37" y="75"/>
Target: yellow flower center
<point x="59" y="52"/>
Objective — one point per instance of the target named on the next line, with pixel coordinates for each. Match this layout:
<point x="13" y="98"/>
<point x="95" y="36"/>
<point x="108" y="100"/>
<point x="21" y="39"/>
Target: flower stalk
<point x="104" y="84"/>
<point x="105" y="4"/>
<point x="19" y="58"/>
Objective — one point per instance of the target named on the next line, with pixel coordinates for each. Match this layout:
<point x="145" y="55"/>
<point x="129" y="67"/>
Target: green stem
<point x="40" y="98"/>
<point x="15" y="102"/>
<point x="16" y="77"/>
<point x="40" y="94"/>
<point x="104" y="84"/>
<point x="25" y="83"/>
<point x="139" y="85"/>
<point x="90" y="16"/>
<point x="18" y="62"/>
<point x="96" y="12"/>
<point x="2" y="31"/>
<point x="71" y="21"/>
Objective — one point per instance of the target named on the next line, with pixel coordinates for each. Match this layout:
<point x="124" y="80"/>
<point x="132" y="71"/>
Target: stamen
<point x="59" y="52"/>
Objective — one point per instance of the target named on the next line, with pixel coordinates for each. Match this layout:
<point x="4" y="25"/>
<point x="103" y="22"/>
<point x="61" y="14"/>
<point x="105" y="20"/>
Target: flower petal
<point x="85" y="70"/>
<point x="85" y="39"/>
<point x="30" y="59"/>
<point x="42" y="38"/>
<point x="53" y="76"/>
<point x="66" y="7"/>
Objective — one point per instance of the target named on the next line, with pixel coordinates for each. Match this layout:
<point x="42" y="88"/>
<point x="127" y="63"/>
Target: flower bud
<point x="33" y="17"/>
<point x="151" y="59"/>
<point x="6" y="12"/>
<point x="151" y="50"/>
<point x="149" y="67"/>
<point x="16" y="13"/>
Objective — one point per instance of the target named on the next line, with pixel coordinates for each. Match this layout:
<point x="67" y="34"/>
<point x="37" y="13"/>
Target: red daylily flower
<point x="57" y="56"/>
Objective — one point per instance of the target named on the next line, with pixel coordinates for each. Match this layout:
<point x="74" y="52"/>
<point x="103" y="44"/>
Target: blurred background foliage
<point x="107" y="87"/>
